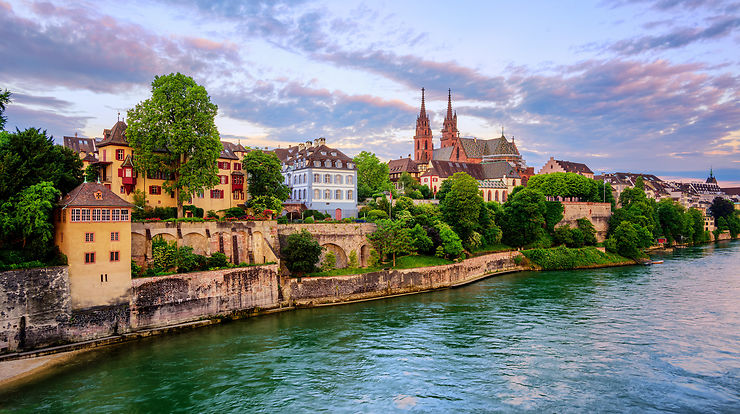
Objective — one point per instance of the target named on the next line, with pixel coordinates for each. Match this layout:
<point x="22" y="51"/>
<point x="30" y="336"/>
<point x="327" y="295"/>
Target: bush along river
<point x="635" y="338"/>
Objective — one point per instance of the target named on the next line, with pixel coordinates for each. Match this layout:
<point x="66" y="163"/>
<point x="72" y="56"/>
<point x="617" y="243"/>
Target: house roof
<point x="309" y="154"/>
<point x="487" y="171"/>
<point x="92" y="195"/>
<point x="230" y="149"/>
<point x="403" y="165"/>
<point x="79" y="144"/>
<point x="574" y="167"/>
<point x="115" y="136"/>
<point x="732" y="191"/>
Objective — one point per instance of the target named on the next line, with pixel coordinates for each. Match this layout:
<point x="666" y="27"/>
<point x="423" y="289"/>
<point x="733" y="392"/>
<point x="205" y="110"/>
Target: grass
<point x="561" y="258"/>
<point x="403" y="262"/>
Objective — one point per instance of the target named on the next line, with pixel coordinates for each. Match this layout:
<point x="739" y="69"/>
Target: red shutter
<point x="120" y="172"/>
<point x="226" y="177"/>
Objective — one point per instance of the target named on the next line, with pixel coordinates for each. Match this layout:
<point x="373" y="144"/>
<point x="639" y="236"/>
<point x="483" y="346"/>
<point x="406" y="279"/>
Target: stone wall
<point x="333" y="289"/>
<point x="34" y="305"/>
<point x="241" y="241"/>
<point x="166" y="300"/>
<point x="597" y="213"/>
<point x="339" y="238"/>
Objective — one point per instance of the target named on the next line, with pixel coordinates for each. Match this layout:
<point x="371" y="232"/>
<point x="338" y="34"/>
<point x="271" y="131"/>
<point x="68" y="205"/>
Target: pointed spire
<point x="423" y="108"/>
<point x="449" y="103"/>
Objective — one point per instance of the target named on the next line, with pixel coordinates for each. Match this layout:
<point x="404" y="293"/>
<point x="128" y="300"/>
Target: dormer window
<point x="333" y="154"/>
<point x="323" y="152"/>
<point x="317" y="163"/>
<point x="339" y="164"/>
<point x="327" y="163"/>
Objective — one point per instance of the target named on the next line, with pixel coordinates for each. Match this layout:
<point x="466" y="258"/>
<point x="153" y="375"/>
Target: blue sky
<point x="622" y="85"/>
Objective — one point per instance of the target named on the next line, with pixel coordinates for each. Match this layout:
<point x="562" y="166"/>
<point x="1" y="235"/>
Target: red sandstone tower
<point x="423" y="145"/>
<point x="449" y="130"/>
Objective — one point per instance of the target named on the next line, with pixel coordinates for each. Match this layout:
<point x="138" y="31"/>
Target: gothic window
<point x="425" y="145"/>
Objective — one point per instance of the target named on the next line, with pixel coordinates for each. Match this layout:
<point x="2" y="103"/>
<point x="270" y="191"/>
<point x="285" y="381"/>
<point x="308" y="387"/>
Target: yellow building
<point x="115" y="160"/>
<point x="93" y="229"/>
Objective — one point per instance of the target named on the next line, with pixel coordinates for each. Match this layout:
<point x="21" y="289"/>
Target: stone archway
<point x="258" y="249"/>
<point x="138" y="247"/>
<point x="364" y="255"/>
<point x="197" y="241"/>
<point x="338" y="253"/>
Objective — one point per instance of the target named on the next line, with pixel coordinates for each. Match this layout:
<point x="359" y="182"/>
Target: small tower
<point x="711" y="179"/>
<point x="423" y="144"/>
<point x="449" y="130"/>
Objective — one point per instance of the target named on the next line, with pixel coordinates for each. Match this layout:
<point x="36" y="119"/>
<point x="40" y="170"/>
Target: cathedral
<point x="457" y="153"/>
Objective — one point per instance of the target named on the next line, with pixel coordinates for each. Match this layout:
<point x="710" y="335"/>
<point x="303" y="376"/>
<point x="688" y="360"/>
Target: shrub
<point x="197" y="211"/>
<point x="309" y="220"/>
<point x="233" y="212"/>
<point x="135" y="269"/>
<point x="282" y="220"/>
<point x="589" y="231"/>
<point x="301" y="252"/>
<point x="164" y="254"/>
<point x="377" y="215"/>
<point x="211" y="214"/>
<point x="217" y="259"/>
<point x="451" y="243"/>
<point x="330" y="262"/>
<point x="422" y="242"/>
<point x="374" y="258"/>
<point x="353" y="259"/>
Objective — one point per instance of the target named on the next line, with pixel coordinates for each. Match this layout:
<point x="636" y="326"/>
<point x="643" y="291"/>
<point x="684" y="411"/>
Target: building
<point x="93" y="229"/>
<point x="553" y="165"/>
<point x="396" y="168"/>
<point x="320" y="178"/>
<point x="115" y="160"/>
<point x="496" y="180"/>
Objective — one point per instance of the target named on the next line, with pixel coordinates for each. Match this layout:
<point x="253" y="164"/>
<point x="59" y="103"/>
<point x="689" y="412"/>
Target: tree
<point x="422" y="243"/>
<point x="589" y="231"/>
<point x="372" y="175"/>
<point x="461" y="205"/>
<point x="4" y="100"/>
<point x="629" y="240"/>
<point x="301" y="252"/>
<point x="391" y="239"/>
<point x="91" y="173"/>
<point x="30" y="157"/>
<point x="696" y="219"/>
<point x="553" y="214"/>
<point x="451" y="245"/>
<point x="523" y="218"/>
<point x="25" y="219"/>
<point x="261" y="203"/>
<point x="265" y="177"/>
<point x="721" y="208"/>
<point x="174" y="132"/>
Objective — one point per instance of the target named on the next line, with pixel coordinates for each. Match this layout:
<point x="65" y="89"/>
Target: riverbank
<point x="187" y="308"/>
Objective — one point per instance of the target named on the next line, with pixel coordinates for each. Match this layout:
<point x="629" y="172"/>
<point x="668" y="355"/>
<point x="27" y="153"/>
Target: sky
<point x="621" y="85"/>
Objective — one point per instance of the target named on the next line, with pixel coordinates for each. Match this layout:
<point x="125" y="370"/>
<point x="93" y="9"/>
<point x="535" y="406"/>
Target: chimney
<point x="322" y="141"/>
<point x="316" y="142"/>
<point x="309" y="144"/>
<point x="301" y="146"/>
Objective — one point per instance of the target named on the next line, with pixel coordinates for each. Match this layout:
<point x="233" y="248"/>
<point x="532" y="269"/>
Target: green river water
<point x="627" y="339"/>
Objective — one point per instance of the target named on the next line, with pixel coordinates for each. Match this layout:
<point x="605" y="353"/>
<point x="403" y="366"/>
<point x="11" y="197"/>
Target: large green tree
<point x="174" y="132"/>
<point x="392" y="239"/>
<point x="721" y="208"/>
<point x="523" y="218"/>
<point x="301" y="252"/>
<point x="25" y="220"/>
<point x="372" y="175"/>
<point x="562" y="184"/>
<point x="266" y="187"/>
<point x="4" y="100"/>
<point x="30" y="157"/>
<point x="462" y="204"/>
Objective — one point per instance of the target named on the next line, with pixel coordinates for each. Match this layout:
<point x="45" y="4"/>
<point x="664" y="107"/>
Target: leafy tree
<point x="391" y="239"/>
<point x="403" y="204"/>
<point x="265" y="176"/>
<point x="627" y="240"/>
<point x="562" y="184"/>
<point x="696" y="219"/>
<point x="174" y="132"/>
<point x="92" y="173"/>
<point x="721" y="208"/>
<point x="25" y="219"/>
<point x="301" y="252"/>
<point x="422" y="243"/>
<point x="330" y="262"/>
<point x="4" y="100"/>
<point x="444" y="188"/>
<point x="588" y="230"/>
<point x="372" y="175"/>
<point x="461" y="205"/>
<point x="523" y="218"/>
<point x="29" y="157"/>
<point x="451" y="245"/>
<point x="553" y="214"/>
<point x="266" y="202"/>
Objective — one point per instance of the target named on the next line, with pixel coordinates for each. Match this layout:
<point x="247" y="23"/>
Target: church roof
<point x="92" y="195"/>
<point x="499" y="169"/>
<point x="444" y="153"/>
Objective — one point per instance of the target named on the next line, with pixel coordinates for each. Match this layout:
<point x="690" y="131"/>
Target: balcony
<point x="237" y="186"/>
<point x="128" y="180"/>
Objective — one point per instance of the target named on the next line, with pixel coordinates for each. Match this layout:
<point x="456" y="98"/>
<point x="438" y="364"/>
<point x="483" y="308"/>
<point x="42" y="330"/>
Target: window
<point x="237" y="166"/>
<point x="224" y="179"/>
<point x="295" y="180"/>
<point x="122" y="190"/>
<point x="350" y="165"/>
<point x="317" y="178"/>
<point x="224" y="165"/>
<point x="115" y="214"/>
<point x="350" y="195"/>
<point x="155" y="189"/>
<point x="350" y="179"/>
<point x="337" y="179"/>
<point x="124" y="215"/>
<point x="75" y="215"/>
<point x="327" y="163"/>
<point x="304" y="194"/>
<point x="338" y="194"/>
<point x="317" y="163"/>
<point x="316" y="194"/>
<point x="114" y="256"/>
<point x="339" y="164"/>
<point x="85" y="216"/>
<point x="89" y="258"/>
<point x="119" y="154"/>
<point x="327" y="178"/>
<point x="327" y="194"/>
<point x="106" y="215"/>
<point x="217" y="194"/>
<point x="96" y="214"/>
<point x="114" y="235"/>
<point x="89" y="237"/>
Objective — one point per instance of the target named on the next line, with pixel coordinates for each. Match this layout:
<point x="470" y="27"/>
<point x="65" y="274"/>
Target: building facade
<point x="496" y="180"/>
<point x="320" y="178"/>
<point x="92" y="228"/>
<point x="115" y="160"/>
<point x="553" y="165"/>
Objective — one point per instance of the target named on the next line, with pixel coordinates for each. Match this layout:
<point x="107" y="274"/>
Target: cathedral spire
<point x="423" y="112"/>
<point x="449" y="103"/>
<point x="449" y="130"/>
<point x="423" y="145"/>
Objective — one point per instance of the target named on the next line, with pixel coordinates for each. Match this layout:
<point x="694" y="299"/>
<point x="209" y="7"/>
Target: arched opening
<point x="364" y="255"/>
<point x="258" y="251"/>
<point x="197" y="241"/>
<point x="490" y="197"/>
<point x="504" y="197"/>
<point x="138" y="247"/>
<point x="496" y="195"/>
<point x="338" y="253"/>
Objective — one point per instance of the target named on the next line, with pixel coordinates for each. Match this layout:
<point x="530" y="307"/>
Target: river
<point x="627" y="339"/>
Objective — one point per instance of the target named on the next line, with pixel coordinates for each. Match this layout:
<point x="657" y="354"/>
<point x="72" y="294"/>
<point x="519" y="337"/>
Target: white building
<point x="320" y="178"/>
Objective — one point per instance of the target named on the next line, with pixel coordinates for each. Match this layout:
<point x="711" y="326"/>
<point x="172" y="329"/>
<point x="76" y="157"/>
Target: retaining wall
<point x="334" y="289"/>
<point x="167" y="300"/>
<point x="597" y="213"/>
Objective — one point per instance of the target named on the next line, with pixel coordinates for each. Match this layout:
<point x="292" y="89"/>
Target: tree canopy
<point x="4" y="100"/>
<point x="301" y="252"/>
<point x="372" y="175"/>
<point x="562" y="184"/>
<point x="523" y="220"/>
<point x="265" y="180"/>
<point x="721" y="208"/>
<point x="462" y="204"/>
<point x="174" y="132"/>
<point x="391" y="238"/>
